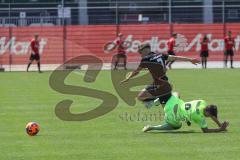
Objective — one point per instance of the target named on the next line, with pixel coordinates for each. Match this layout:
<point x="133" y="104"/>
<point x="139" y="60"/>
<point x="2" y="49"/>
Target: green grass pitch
<point x="27" y="97"/>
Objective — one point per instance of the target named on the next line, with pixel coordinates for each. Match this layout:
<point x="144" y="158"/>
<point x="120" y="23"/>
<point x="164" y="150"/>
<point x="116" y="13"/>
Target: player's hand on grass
<point x="188" y="123"/>
<point x="224" y="126"/>
<point x="194" y="61"/>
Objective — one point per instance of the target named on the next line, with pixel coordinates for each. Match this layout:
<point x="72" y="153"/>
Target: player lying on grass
<point x="155" y="63"/>
<point x="177" y="111"/>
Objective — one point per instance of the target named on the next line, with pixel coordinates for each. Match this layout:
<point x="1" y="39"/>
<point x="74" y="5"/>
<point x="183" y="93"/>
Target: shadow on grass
<point x="173" y="132"/>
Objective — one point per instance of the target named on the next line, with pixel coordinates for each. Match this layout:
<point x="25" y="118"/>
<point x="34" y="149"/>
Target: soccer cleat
<point x="146" y="128"/>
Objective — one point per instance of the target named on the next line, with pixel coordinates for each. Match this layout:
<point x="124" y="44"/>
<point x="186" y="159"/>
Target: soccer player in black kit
<point x="160" y="88"/>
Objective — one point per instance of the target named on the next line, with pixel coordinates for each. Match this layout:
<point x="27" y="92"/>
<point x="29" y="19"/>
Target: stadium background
<point x="28" y="96"/>
<point x="71" y="28"/>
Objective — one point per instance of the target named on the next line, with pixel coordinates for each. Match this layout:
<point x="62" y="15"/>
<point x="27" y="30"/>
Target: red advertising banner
<point x="58" y="44"/>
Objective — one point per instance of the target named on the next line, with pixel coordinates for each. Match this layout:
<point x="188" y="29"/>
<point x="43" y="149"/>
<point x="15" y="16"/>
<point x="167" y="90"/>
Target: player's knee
<point x="141" y="96"/>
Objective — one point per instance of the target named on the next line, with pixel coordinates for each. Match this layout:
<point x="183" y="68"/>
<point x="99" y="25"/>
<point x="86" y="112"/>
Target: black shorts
<point x="120" y="55"/>
<point x="162" y="91"/>
<point x="34" y="57"/>
<point x="204" y="54"/>
<point x="171" y="53"/>
<point x="229" y="52"/>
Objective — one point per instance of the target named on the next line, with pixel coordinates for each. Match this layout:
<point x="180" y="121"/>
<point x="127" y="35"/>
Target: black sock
<point x="205" y="63"/>
<point x="202" y="63"/>
<point x="231" y="62"/>
<point x="29" y="64"/>
<point x="125" y="64"/>
<point x="116" y="63"/>
<point x="38" y="64"/>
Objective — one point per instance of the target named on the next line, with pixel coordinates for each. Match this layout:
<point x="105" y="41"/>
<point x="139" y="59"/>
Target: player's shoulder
<point x="148" y="57"/>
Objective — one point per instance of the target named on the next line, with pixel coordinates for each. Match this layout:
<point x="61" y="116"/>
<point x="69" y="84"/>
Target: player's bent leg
<point x="29" y="64"/>
<point x="39" y="66"/>
<point x="163" y="127"/>
<point x="153" y="92"/>
<point x="146" y="97"/>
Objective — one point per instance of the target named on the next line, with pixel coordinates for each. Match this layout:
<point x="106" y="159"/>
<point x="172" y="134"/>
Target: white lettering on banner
<point x="182" y="44"/>
<point x="237" y="42"/>
<point x="19" y="48"/>
<point x="3" y="47"/>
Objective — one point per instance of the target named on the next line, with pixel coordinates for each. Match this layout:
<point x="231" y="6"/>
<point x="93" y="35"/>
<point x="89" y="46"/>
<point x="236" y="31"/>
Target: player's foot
<point x="40" y="72"/>
<point x="146" y="128"/>
<point x="232" y="67"/>
<point x="125" y="68"/>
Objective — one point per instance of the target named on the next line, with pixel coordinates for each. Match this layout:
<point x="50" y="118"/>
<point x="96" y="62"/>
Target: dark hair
<point x="174" y="34"/>
<point x="143" y="46"/>
<point x="205" y="37"/>
<point x="212" y="109"/>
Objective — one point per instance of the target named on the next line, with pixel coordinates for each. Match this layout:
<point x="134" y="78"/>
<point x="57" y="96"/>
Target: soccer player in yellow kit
<point x="196" y="111"/>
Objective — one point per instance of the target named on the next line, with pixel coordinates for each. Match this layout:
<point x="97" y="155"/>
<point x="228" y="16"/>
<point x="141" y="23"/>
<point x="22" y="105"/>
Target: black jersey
<point x="155" y="63"/>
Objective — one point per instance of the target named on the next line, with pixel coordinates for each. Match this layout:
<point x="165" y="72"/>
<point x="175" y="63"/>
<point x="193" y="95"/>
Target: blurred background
<point x="69" y="28"/>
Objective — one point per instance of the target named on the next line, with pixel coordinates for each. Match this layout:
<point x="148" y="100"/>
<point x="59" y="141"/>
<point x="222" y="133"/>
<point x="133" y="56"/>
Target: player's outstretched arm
<point x="131" y="75"/>
<point x="223" y="127"/>
<point x="181" y="58"/>
<point x="216" y="121"/>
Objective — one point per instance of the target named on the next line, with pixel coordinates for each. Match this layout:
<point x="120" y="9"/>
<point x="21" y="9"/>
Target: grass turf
<point x="27" y="97"/>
